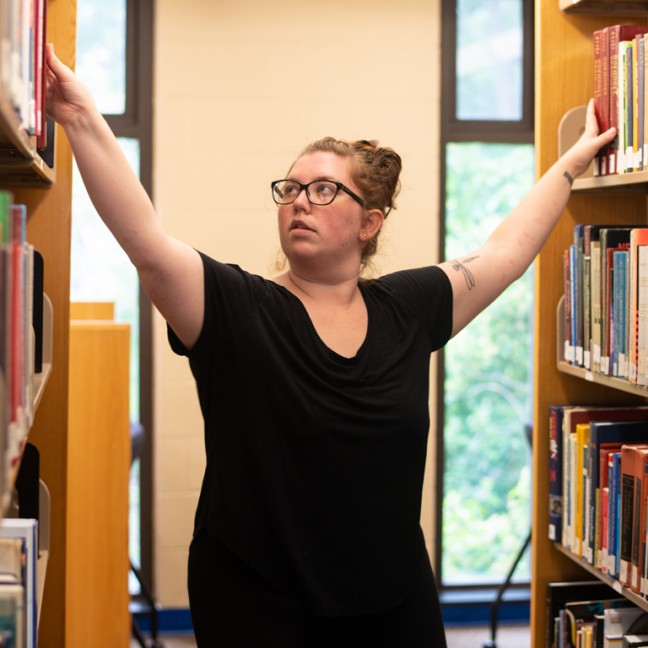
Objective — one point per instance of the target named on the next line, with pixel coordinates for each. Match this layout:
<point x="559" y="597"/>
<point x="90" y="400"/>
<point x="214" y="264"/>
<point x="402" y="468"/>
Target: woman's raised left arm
<point x="480" y="276"/>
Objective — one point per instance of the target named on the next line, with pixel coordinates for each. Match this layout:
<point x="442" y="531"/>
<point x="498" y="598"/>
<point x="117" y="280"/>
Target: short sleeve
<point x="426" y="294"/>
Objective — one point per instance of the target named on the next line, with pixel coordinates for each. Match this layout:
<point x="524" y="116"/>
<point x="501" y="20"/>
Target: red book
<point x="618" y="33"/>
<point x="600" y="159"/>
<point x="40" y="41"/>
<point x="634" y="459"/>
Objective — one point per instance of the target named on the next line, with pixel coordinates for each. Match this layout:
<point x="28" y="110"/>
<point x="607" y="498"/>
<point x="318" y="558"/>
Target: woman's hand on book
<point x="589" y="144"/>
<point x="66" y="97"/>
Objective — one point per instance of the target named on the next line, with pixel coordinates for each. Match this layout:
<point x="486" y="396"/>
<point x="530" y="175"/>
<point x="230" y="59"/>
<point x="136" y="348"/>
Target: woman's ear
<point x="373" y="221"/>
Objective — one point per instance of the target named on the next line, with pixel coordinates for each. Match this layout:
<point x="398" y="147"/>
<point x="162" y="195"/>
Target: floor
<point x="513" y="636"/>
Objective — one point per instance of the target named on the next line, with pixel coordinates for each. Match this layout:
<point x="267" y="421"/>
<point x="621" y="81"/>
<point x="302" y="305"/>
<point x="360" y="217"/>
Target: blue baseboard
<point x="480" y="614"/>
<point x="474" y="606"/>
<point x="171" y="621"/>
<point x="177" y="621"/>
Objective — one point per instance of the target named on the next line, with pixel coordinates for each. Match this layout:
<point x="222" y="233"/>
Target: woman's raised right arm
<point x="170" y="271"/>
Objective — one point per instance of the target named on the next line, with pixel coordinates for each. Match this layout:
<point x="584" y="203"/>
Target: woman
<point x="313" y="386"/>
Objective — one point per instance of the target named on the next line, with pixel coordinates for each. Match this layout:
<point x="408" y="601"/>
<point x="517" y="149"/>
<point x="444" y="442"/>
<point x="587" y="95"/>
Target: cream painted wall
<point x="240" y="87"/>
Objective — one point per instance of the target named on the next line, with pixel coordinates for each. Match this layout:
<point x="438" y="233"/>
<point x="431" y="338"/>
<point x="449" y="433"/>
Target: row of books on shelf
<point x="605" y="273"/>
<point x="620" y="75"/>
<point x="598" y="488"/>
<point x="22" y="303"/>
<point x="590" y="614"/>
<point x="22" y="69"/>
<point x="19" y="553"/>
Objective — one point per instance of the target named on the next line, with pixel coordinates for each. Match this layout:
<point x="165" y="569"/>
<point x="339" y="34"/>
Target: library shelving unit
<point x="564" y="80"/>
<point x="47" y="193"/>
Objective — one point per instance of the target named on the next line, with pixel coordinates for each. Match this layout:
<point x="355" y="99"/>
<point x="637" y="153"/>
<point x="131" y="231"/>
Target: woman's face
<point x="329" y="233"/>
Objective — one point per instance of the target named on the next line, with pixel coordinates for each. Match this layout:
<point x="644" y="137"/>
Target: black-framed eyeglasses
<point x="318" y="192"/>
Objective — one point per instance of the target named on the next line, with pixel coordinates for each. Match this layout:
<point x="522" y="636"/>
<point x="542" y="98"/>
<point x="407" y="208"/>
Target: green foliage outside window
<point x="486" y="506"/>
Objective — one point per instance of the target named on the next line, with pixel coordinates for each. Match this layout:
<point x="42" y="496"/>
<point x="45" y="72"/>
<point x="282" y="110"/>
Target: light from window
<point x="489" y="60"/>
<point x="101" y="52"/>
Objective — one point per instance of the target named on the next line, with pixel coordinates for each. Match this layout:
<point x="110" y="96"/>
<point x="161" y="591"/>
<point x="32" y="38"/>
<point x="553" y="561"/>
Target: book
<point x="618" y="34"/>
<point x="562" y="496"/>
<point x="618" y="321"/>
<point x="555" y="473"/>
<point x="617" y="622"/>
<point x="11" y="560"/>
<point x="561" y="592"/>
<point x="581" y="614"/>
<point x="13" y="616"/>
<point x="600" y="107"/>
<point x="612" y="429"/>
<point x="638" y="107"/>
<point x="634" y="640"/>
<point x="26" y="530"/>
<point x="612" y="239"/>
<point x="642" y="315"/>
<point x="614" y="517"/>
<point x="37" y="311"/>
<point x="638" y="238"/>
<point x="634" y="459"/>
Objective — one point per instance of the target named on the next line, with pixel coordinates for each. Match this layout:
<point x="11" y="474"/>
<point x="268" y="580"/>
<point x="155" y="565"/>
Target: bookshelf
<point x="99" y="449"/>
<point x="613" y="7"/>
<point x="47" y="193"/>
<point x="564" y="79"/>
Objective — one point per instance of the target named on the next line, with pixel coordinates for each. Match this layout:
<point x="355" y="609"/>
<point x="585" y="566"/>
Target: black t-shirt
<point x="315" y="461"/>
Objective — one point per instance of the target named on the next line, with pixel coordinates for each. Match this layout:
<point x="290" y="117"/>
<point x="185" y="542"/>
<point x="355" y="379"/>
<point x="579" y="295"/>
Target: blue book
<point x="614" y="520"/>
<point x="619" y="324"/>
<point x="574" y="297"/>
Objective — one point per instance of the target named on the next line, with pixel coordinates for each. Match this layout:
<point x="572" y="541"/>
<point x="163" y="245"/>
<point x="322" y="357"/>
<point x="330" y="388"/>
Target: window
<point x="114" y="52"/>
<point x="485" y="373"/>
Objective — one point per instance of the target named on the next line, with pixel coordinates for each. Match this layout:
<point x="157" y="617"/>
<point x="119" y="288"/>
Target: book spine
<point x="555" y="474"/>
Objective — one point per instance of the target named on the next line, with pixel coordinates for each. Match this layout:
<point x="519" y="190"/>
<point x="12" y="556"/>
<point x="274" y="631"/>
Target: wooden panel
<point x="564" y="79"/>
<point x="99" y="451"/>
<point x="92" y="310"/>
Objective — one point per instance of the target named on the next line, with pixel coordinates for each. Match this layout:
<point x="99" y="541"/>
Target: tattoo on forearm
<point x="460" y="266"/>
<point x="568" y="177"/>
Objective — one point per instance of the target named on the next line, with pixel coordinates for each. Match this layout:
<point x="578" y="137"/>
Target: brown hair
<point x="375" y="171"/>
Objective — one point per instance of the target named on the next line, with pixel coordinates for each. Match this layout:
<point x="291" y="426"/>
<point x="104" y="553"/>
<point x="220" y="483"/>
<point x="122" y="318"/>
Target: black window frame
<point x="453" y="130"/>
<point x="136" y="122"/>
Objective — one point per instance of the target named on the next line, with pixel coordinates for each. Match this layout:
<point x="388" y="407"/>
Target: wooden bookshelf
<point x="612" y="7"/>
<point x="564" y="79"/>
<point x="99" y="456"/>
<point x="20" y="163"/>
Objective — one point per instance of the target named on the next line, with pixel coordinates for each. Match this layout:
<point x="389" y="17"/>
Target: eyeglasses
<point x="318" y="192"/>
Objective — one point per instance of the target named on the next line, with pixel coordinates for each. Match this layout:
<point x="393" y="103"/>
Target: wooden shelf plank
<point x="609" y="7"/>
<point x="626" y="592"/>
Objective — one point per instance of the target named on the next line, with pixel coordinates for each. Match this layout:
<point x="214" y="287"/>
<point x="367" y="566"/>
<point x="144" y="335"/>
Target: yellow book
<point x="582" y="440"/>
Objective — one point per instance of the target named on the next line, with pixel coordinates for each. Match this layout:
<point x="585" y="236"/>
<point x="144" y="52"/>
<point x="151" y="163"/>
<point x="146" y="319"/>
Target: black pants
<point x="232" y="607"/>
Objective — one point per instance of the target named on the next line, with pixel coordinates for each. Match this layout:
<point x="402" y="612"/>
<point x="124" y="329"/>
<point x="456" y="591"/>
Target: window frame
<point x="454" y="130"/>
<point x="136" y="122"/>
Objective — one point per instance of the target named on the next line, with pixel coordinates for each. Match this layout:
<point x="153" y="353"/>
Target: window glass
<point x="101" y="52"/>
<point x="487" y="389"/>
<point x="489" y="60"/>
<point x="100" y="269"/>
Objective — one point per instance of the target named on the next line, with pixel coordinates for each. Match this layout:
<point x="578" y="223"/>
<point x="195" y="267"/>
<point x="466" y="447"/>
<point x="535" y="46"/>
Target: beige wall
<point x="240" y="87"/>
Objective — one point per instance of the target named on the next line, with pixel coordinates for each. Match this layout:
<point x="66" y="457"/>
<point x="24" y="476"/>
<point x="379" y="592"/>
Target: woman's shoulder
<point x="424" y="278"/>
